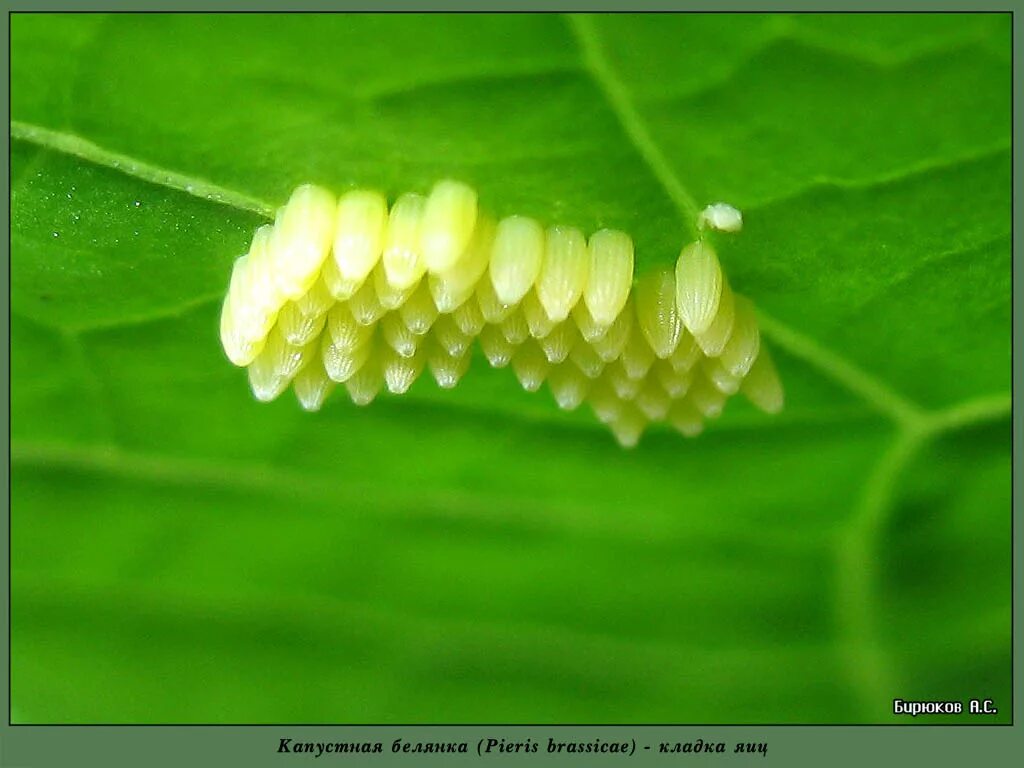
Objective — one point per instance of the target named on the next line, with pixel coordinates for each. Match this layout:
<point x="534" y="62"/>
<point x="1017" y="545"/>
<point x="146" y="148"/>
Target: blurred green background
<point x="181" y="553"/>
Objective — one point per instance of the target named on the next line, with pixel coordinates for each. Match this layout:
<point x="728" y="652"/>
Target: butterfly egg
<point x="713" y="340"/>
<point x="675" y="383"/>
<point x="610" y="346"/>
<point x="687" y="353"/>
<point x="530" y="366"/>
<point x="720" y="216"/>
<point x="301" y="240"/>
<point x="298" y="327"/>
<point x="685" y="418"/>
<point x="568" y="386"/>
<point x="254" y="288"/>
<point x="266" y="378"/>
<point x="316" y="301"/>
<point x="656" y="311"/>
<point x="452" y="288"/>
<point x="265" y="381"/>
<point x="398" y="336"/>
<point x="447" y="369"/>
<point x="516" y="258"/>
<point x="492" y="309"/>
<point x="239" y="336"/>
<point x="741" y="350"/>
<point x="253" y="301"/>
<point x="610" y="276"/>
<point x="361" y="221"/>
<point x="419" y="312"/>
<point x="342" y="362"/>
<point x="403" y="260"/>
<point x="365" y="384"/>
<point x="605" y="402"/>
<point x="708" y="400"/>
<point x="312" y="386"/>
<point x="301" y="321"/>
<point x="339" y="287"/>
<point x="495" y="346"/>
<point x="625" y="387"/>
<point x="344" y="331"/>
<point x="515" y="329"/>
<point x="761" y="386"/>
<point x="448" y="221"/>
<point x="260" y="259"/>
<point x="469" y="319"/>
<point x="564" y="271"/>
<point x="720" y="378"/>
<point x="586" y="360"/>
<point x="401" y="372"/>
<point x="560" y="342"/>
<point x="389" y="297"/>
<point x="450" y="337"/>
<point x="240" y="350"/>
<point x="365" y="306"/>
<point x="637" y="356"/>
<point x="348" y="291"/>
<point x="589" y="329"/>
<point x="698" y="286"/>
<point x="238" y="285"/>
<point x="274" y="367"/>
<point x="537" y="319"/>
<point x="652" y="400"/>
<point x="629" y="426"/>
<point x="294" y="357"/>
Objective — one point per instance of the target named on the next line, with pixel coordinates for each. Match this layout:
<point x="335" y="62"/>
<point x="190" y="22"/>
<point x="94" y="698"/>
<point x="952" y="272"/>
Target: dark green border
<point x="179" y="746"/>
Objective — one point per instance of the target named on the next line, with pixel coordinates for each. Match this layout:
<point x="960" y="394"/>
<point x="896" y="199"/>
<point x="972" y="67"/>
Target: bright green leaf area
<point x="181" y="553"/>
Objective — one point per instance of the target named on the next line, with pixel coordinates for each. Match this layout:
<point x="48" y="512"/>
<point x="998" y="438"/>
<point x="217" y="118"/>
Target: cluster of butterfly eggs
<point x="349" y="291"/>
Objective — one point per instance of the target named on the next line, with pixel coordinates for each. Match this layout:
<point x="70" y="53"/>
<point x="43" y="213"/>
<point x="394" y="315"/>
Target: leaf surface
<point x="181" y="553"/>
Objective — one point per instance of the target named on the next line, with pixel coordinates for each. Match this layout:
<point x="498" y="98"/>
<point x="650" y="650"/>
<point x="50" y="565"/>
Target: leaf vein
<point x="839" y="369"/>
<point x="599" y="68"/>
<point x="76" y="146"/>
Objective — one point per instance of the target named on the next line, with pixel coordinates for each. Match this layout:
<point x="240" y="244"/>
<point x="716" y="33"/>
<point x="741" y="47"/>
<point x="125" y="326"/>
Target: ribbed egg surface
<point x="368" y="295"/>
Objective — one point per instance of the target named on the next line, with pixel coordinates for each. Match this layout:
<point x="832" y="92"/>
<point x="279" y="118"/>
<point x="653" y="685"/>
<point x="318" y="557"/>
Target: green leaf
<point x="181" y="553"/>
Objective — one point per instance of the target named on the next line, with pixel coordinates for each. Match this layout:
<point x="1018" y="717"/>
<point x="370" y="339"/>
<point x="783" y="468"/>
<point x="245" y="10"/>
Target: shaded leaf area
<point x="815" y="109"/>
<point x="874" y="183"/>
<point x="911" y="287"/>
<point x="488" y="568"/>
<point x="183" y="553"/>
<point x="79" y="229"/>
<point x="947" y="608"/>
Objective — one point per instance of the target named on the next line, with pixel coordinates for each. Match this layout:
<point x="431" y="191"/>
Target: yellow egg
<point x="349" y="291"/>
